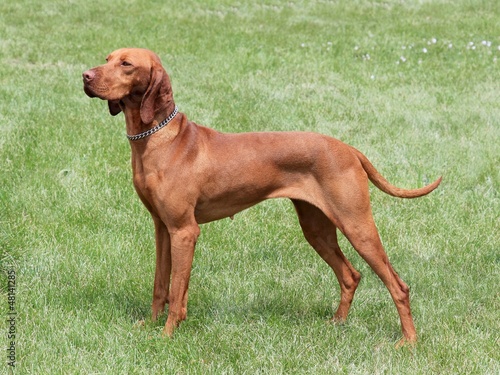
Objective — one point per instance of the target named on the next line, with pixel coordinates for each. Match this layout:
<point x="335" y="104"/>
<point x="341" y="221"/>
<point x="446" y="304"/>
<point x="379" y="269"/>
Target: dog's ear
<point x="157" y="95"/>
<point x="114" y="107"/>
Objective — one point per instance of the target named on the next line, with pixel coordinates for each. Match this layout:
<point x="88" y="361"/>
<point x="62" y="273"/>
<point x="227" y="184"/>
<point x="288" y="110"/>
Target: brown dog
<point x="186" y="175"/>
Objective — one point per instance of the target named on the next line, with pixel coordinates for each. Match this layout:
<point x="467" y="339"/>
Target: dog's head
<point x="131" y="77"/>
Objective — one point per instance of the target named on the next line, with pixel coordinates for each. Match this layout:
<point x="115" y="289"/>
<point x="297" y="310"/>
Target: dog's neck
<point x="153" y="130"/>
<point x="137" y="130"/>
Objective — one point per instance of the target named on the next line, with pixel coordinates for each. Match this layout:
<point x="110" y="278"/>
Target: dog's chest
<point x="145" y="182"/>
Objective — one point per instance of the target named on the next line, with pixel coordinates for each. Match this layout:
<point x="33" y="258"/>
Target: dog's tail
<point x="384" y="185"/>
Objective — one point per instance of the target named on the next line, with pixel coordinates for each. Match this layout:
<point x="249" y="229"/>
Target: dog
<point x="186" y="175"/>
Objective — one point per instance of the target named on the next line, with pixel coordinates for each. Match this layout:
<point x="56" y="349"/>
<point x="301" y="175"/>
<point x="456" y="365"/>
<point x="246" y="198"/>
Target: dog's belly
<point x="218" y="212"/>
<point x="229" y="201"/>
<point x="234" y="197"/>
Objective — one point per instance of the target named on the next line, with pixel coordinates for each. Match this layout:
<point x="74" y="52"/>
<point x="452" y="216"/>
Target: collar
<point x="151" y="131"/>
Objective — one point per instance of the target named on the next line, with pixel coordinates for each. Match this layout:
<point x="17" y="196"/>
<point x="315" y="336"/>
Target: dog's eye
<point x="126" y="63"/>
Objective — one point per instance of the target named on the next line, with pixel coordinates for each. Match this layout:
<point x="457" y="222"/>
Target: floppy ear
<point x="156" y="95"/>
<point x="114" y="107"/>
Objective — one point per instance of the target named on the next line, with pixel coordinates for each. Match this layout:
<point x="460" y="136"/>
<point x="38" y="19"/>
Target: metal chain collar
<point x="151" y="131"/>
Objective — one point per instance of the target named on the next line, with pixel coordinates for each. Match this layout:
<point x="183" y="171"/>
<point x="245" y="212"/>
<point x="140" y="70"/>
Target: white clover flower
<point x="434" y="40"/>
<point x="450" y="45"/>
<point x="424" y="50"/>
<point x="356" y="48"/>
<point x="403" y="59"/>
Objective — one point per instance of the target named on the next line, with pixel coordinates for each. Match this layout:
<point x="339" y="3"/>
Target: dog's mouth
<point x="102" y="91"/>
<point x="97" y="91"/>
<point x="88" y="90"/>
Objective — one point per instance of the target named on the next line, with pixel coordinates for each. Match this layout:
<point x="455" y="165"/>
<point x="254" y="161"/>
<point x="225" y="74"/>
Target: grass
<point x="413" y="84"/>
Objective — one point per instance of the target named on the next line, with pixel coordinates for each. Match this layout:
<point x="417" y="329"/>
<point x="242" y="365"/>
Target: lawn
<point x="413" y="84"/>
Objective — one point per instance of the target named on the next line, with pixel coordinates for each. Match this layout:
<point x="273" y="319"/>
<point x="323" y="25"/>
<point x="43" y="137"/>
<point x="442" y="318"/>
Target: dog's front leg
<point x="163" y="268"/>
<point x="183" y="242"/>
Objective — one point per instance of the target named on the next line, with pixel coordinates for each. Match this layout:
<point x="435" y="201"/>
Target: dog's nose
<point x="88" y="75"/>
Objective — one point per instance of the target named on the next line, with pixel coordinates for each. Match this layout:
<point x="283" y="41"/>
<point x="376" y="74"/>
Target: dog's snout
<point x="88" y="75"/>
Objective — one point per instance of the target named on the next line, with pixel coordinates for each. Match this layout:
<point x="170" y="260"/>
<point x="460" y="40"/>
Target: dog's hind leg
<point x="364" y="238"/>
<point x="354" y="218"/>
<point x="321" y="234"/>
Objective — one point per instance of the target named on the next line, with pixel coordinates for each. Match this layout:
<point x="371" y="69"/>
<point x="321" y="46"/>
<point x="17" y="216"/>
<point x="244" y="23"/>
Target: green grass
<point x="82" y="245"/>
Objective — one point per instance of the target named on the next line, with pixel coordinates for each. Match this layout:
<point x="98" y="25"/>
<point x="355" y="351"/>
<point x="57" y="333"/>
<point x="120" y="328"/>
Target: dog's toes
<point x="337" y="319"/>
<point x="406" y="343"/>
<point x="168" y="331"/>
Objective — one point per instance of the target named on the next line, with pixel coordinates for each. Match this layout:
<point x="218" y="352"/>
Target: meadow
<point x="412" y="84"/>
